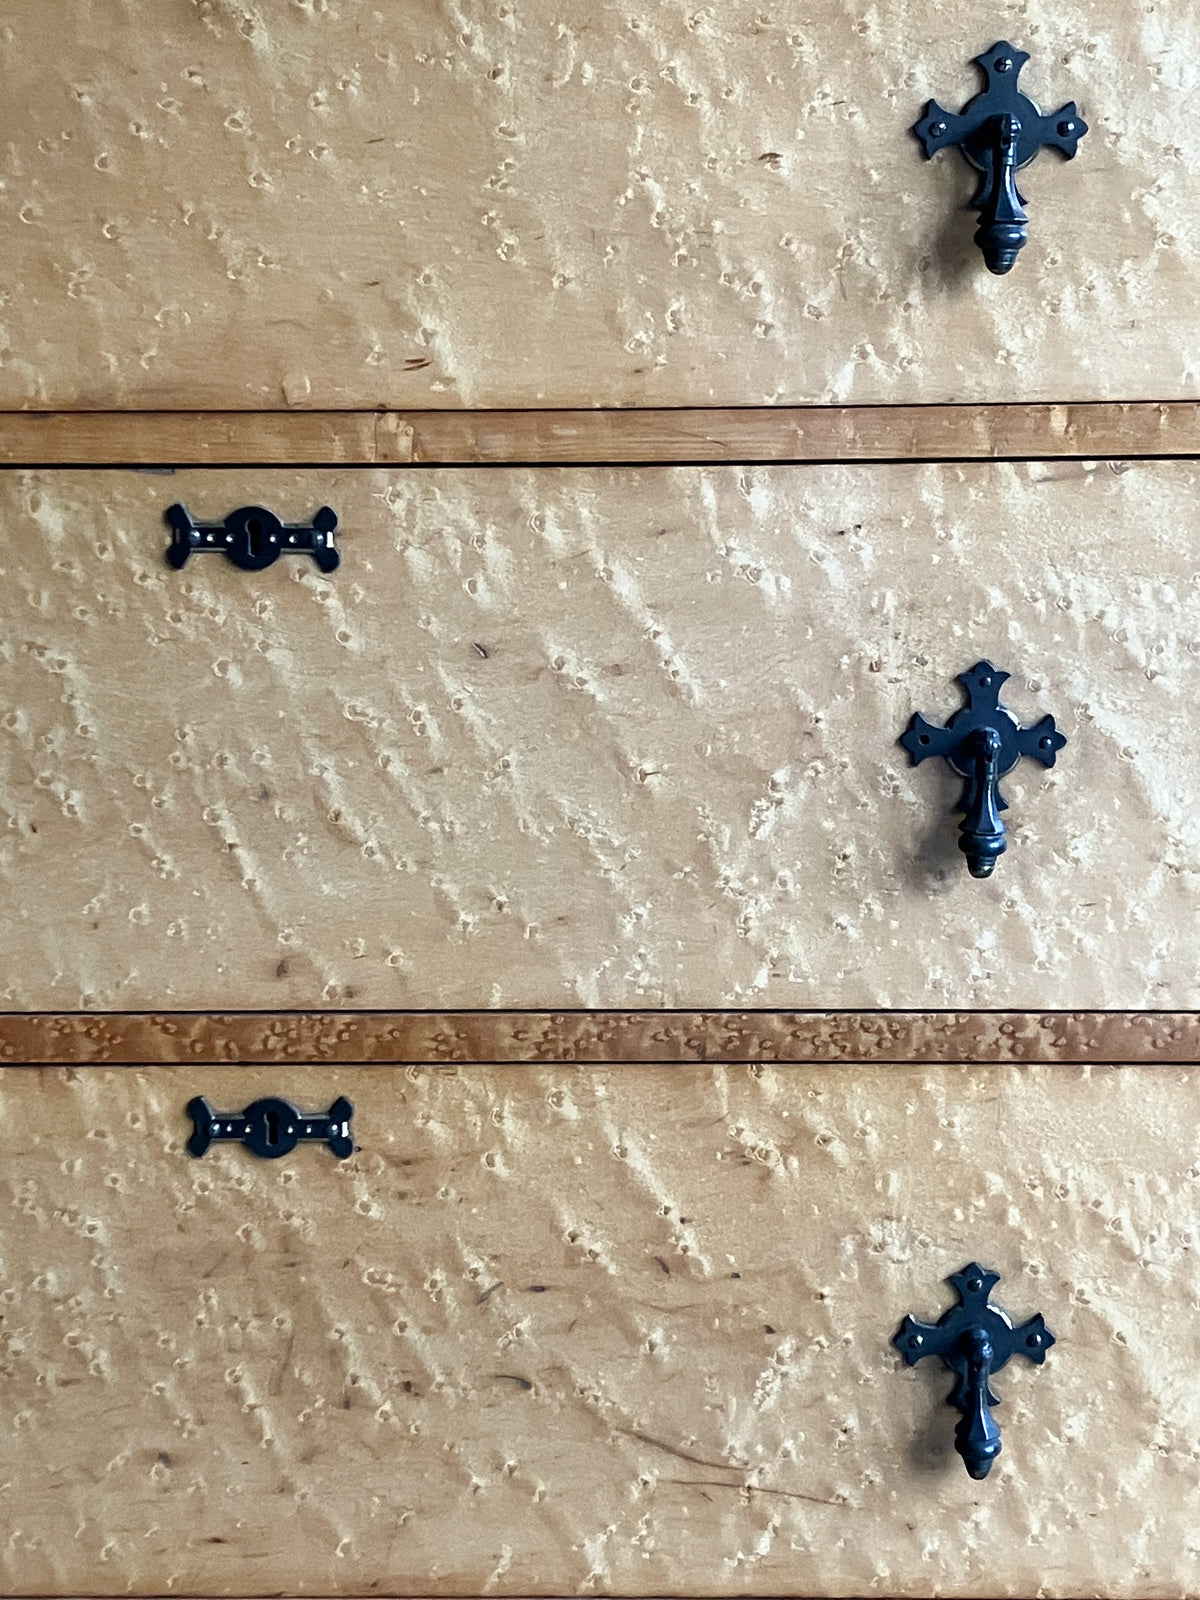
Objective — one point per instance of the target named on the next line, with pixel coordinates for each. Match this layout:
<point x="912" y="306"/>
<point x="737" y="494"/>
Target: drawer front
<point x="626" y="1330"/>
<point x="596" y="738"/>
<point x="684" y="205"/>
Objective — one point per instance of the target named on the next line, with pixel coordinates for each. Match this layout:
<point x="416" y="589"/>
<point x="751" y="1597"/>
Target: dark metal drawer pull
<point x="975" y="1339"/>
<point x="253" y="537"/>
<point x="1000" y="131"/>
<point x="271" y="1127"/>
<point x="982" y="742"/>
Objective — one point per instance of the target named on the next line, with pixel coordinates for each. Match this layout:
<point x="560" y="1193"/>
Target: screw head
<point x="1034" y="1341"/>
<point x="937" y="129"/>
<point x="974" y="1284"/>
<point x="1065" y="128"/>
<point x="1004" y="64"/>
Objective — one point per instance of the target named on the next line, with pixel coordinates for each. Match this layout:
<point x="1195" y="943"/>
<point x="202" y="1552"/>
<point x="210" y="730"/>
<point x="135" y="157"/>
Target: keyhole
<point x="254" y="543"/>
<point x="271" y="1118"/>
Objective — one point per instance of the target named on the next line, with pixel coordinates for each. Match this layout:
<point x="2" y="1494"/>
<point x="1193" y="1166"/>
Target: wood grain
<point x="428" y="205"/>
<point x="623" y="1331"/>
<point x="619" y="738"/>
<point x="386" y="1038"/>
<point x="452" y="438"/>
<point x="202" y="438"/>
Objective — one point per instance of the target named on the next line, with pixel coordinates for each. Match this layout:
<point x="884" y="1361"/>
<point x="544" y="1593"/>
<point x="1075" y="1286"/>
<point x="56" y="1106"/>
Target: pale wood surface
<point x="609" y="738"/>
<point x="561" y="1331"/>
<point x="658" y="1037"/>
<point x="750" y="433"/>
<point x="305" y="205"/>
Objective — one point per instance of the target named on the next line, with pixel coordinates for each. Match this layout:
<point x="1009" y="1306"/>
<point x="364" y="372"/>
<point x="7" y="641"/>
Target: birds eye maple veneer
<point x="680" y="450"/>
<point x="566" y="752"/>
<point x="525" y="204"/>
<point x="608" y="737"/>
<point x="618" y="1329"/>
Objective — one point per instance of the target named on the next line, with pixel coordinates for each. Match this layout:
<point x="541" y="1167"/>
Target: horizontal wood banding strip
<point x="429" y="1038"/>
<point x="460" y="438"/>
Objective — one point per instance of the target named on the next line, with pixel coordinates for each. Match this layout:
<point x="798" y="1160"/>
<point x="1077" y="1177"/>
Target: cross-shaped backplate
<point x="938" y="128"/>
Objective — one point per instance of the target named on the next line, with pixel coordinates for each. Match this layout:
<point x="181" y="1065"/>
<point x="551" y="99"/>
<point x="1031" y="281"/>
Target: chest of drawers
<point x="680" y="449"/>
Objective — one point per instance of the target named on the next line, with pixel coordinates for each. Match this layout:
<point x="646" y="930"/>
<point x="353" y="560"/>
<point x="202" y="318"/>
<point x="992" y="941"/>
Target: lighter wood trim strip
<point x="431" y="1038"/>
<point x="464" y="438"/>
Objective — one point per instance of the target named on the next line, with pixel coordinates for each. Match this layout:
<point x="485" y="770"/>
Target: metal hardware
<point x="1000" y="131"/>
<point x="982" y="742"/>
<point x="252" y="537"/>
<point x="271" y="1127"/>
<point x="975" y="1339"/>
